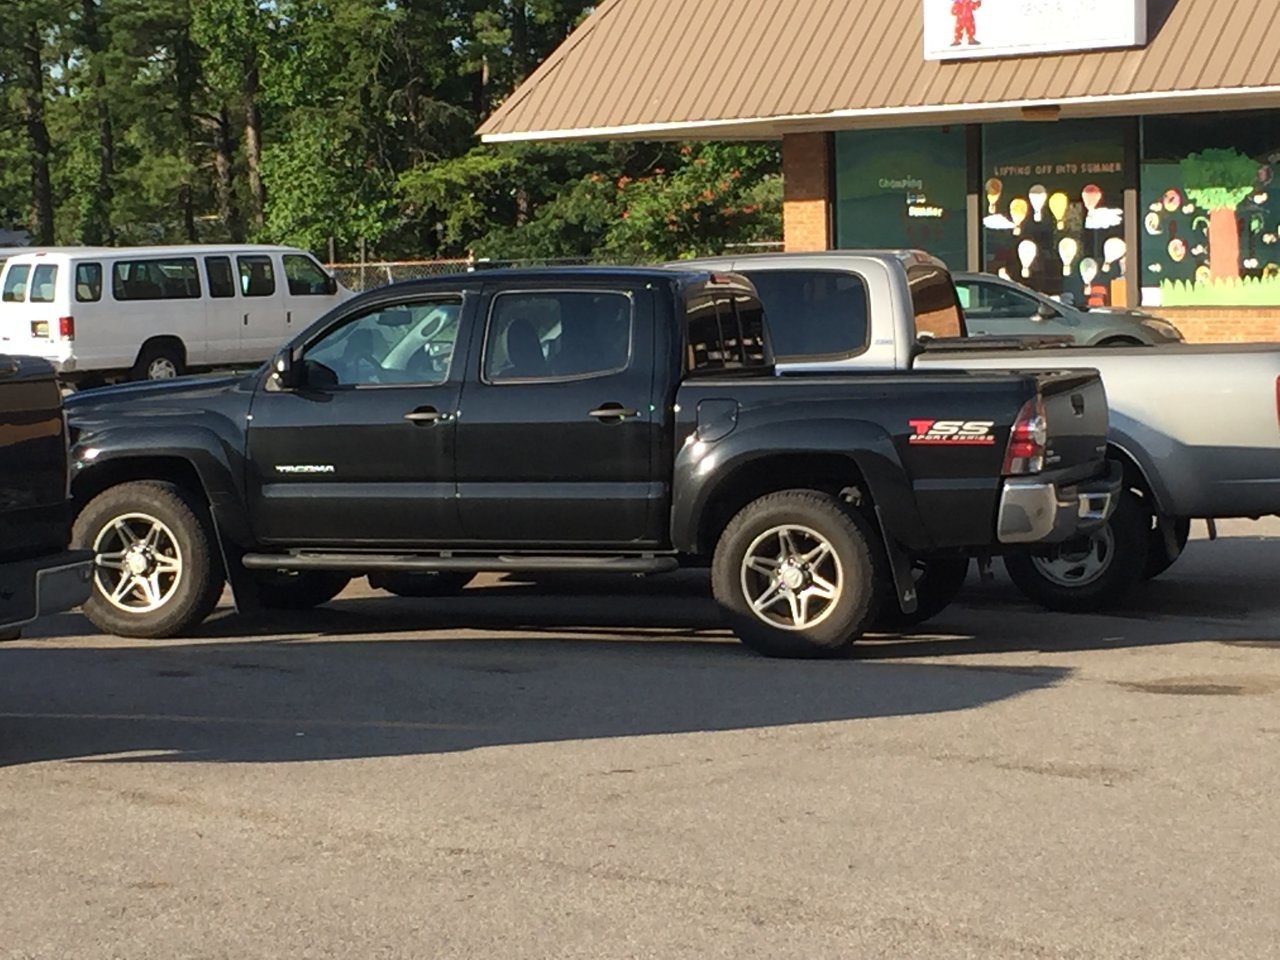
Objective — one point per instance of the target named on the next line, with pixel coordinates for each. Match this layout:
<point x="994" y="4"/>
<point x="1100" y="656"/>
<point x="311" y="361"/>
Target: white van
<point x="150" y="313"/>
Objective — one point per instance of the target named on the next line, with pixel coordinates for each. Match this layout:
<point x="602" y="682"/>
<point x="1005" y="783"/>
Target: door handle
<point x="246" y="319"/>
<point x="288" y="316"/>
<point x="427" y="415"/>
<point x="612" y="412"/>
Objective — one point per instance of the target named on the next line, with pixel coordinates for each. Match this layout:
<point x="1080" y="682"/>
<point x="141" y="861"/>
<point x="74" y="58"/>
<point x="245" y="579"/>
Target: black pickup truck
<point x="589" y="419"/>
<point x="38" y="575"/>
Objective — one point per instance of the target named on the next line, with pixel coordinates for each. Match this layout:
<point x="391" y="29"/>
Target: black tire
<point x="157" y="357"/>
<point x="1158" y="559"/>
<point x="1099" y="584"/>
<point x="858" y="587"/>
<point x="7" y="636"/>
<point x="188" y="595"/>
<point x="1121" y="342"/>
<point x="301" y="590"/>
<point x="939" y="581"/>
<point x="446" y="583"/>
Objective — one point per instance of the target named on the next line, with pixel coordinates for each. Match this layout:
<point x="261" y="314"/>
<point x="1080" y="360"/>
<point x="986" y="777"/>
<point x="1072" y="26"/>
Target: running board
<point x="412" y="563"/>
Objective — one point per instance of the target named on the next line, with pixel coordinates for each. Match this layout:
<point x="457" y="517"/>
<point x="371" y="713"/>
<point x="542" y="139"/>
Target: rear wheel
<point x="300" y="590"/>
<point x="796" y="575"/>
<point x="446" y="583"/>
<point x="1121" y="342"/>
<point x="1091" y="572"/>
<point x="939" y="581"/>
<point x="158" y="361"/>
<point x="156" y="569"/>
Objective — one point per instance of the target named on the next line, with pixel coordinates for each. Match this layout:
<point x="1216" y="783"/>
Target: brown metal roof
<point x="657" y="69"/>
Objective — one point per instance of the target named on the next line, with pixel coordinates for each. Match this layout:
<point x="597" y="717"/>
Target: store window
<point x="1053" y="208"/>
<point x="903" y="188"/>
<point x="1211" y="211"/>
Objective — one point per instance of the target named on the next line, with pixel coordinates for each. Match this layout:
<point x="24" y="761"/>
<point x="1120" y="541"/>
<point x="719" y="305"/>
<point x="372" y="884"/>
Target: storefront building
<point x="1120" y="152"/>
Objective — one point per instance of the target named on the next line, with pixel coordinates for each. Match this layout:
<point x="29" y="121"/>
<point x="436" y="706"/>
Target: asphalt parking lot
<point x="599" y="771"/>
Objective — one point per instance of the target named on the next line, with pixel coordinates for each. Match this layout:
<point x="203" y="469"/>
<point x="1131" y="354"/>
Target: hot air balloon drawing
<point x="1114" y="249"/>
<point x="1018" y="211"/>
<point x="1088" y="270"/>
<point x="1027" y="253"/>
<point x="1059" y="203"/>
<point x="994" y="188"/>
<point x="1038" y="196"/>
<point x="1068" y="250"/>
<point x="1092" y="196"/>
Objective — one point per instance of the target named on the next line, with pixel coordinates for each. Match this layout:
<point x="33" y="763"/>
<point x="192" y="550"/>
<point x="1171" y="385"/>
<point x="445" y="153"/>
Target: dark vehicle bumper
<point x="1038" y="510"/>
<point x="44" y="585"/>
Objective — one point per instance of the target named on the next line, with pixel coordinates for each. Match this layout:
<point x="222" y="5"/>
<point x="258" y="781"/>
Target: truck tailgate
<point x="33" y="478"/>
<point x="1075" y="405"/>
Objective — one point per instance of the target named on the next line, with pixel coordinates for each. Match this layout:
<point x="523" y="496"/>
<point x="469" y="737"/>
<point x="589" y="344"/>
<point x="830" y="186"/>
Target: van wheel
<point x="795" y="575"/>
<point x="156" y="570"/>
<point x="300" y="590"/>
<point x="443" y="584"/>
<point x="1089" y="573"/>
<point x="158" y="361"/>
<point x="939" y="581"/>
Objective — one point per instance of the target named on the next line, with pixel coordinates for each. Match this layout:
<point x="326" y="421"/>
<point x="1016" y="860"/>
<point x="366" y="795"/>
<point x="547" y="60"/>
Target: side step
<point x="416" y="563"/>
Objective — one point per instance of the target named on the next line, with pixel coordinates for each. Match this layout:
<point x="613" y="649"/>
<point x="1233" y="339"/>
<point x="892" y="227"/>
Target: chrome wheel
<point x="162" y="368"/>
<point x="1079" y="562"/>
<point x="137" y="563"/>
<point x="791" y="577"/>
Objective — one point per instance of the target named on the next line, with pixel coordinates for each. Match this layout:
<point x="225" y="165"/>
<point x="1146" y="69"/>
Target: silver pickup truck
<point x="1196" y="427"/>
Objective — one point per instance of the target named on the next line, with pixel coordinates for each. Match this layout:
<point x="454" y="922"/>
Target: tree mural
<point x="1219" y="181"/>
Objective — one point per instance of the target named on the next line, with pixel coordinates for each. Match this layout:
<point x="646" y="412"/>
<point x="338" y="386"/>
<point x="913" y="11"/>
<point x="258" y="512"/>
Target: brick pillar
<point x="807" y="201"/>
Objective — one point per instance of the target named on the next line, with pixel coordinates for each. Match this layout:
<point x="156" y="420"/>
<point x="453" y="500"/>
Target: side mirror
<point x="330" y="285"/>
<point x="285" y="374"/>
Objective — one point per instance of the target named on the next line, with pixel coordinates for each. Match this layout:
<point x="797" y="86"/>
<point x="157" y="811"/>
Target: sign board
<point x="973" y="29"/>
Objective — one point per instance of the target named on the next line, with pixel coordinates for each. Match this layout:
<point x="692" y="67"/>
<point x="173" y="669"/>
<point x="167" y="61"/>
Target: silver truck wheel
<point x="138" y="563"/>
<point x="797" y="574"/>
<point x="792" y="577"/>
<point x="1079" y="562"/>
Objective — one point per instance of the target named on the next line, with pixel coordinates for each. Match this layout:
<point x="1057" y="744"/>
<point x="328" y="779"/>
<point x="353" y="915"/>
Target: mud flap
<point x="904" y="584"/>
<point x="244" y="595"/>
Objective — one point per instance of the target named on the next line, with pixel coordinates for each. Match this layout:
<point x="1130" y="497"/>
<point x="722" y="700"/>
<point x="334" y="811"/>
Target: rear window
<point x="171" y="279"/>
<point x="44" y="283"/>
<point x="725" y="332"/>
<point x="257" y="276"/>
<point x="814" y="314"/>
<point x="934" y="302"/>
<point x="15" y="283"/>
<point x="88" y="282"/>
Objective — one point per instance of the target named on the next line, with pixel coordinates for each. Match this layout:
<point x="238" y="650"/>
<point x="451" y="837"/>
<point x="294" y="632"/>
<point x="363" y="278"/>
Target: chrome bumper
<point x="1033" y="510"/>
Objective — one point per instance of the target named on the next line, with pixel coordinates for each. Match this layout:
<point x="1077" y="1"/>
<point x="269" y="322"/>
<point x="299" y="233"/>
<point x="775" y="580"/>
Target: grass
<point x="1246" y="292"/>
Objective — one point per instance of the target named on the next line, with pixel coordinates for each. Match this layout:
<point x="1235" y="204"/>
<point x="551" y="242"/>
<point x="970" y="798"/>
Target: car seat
<point x="524" y="350"/>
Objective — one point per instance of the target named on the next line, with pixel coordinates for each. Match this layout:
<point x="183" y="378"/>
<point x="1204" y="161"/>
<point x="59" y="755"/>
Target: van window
<point x="43" y="283"/>
<point x="725" y="332"/>
<point x="257" y="276"/>
<point x="222" y="283"/>
<point x="934" y="302"/>
<point x="174" y="279"/>
<point x="814" y="314"/>
<point x="15" y="283"/>
<point x="88" y="282"/>
<point x="304" y="276"/>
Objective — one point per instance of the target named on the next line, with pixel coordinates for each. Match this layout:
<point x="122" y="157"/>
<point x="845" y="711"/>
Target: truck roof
<point x="688" y="279"/>
<point x="905" y="257"/>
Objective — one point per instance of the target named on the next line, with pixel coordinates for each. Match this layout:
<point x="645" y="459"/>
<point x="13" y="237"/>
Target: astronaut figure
<point x="963" y="11"/>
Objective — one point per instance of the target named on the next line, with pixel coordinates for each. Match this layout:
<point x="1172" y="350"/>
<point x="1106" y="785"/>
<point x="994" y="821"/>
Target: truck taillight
<point x="67" y="328"/>
<point x="1027" y="440"/>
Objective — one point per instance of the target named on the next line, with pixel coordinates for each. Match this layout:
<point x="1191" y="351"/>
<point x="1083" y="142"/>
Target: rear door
<point x="364" y="453"/>
<point x="225" y="309"/>
<point x="556" y="439"/>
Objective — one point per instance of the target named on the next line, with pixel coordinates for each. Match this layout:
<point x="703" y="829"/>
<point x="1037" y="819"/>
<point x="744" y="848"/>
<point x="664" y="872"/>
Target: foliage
<point x="1218" y="178"/>
<point x="1244" y="292"/>
<point x="348" y="122"/>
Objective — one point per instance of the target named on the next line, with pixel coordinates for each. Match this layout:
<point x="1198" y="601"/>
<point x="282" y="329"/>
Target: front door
<point x="556" y="438"/>
<point x="994" y="310"/>
<point x="263" y="329"/>
<point x="363" y="453"/>
<point x="306" y="292"/>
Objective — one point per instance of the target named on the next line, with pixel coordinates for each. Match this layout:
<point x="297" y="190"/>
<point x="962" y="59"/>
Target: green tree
<point x="1219" y="181"/>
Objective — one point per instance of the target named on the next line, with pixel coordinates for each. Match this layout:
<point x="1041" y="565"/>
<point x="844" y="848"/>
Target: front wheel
<point x="938" y="581"/>
<point x="796" y="575"/>
<point x="156" y="572"/>
<point x="1091" y="572"/>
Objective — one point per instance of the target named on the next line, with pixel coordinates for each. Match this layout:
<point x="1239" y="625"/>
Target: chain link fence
<point x="367" y="276"/>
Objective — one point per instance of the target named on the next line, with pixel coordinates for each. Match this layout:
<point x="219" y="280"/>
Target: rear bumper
<point x="1036" y="510"/>
<point x="45" y="585"/>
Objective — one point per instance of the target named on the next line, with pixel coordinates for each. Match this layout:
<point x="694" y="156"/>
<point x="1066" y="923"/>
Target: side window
<point x="257" y="276"/>
<point x="557" y="335"/>
<point x="174" y="279"/>
<point x="88" y="282"/>
<point x="934" y="302"/>
<point x="403" y="343"/>
<point x="15" y="283"/>
<point x="305" y="277"/>
<point x="43" y="283"/>
<point x="724" y="332"/>
<point x="222" y="283"/>
<point x="814" y="314"/>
